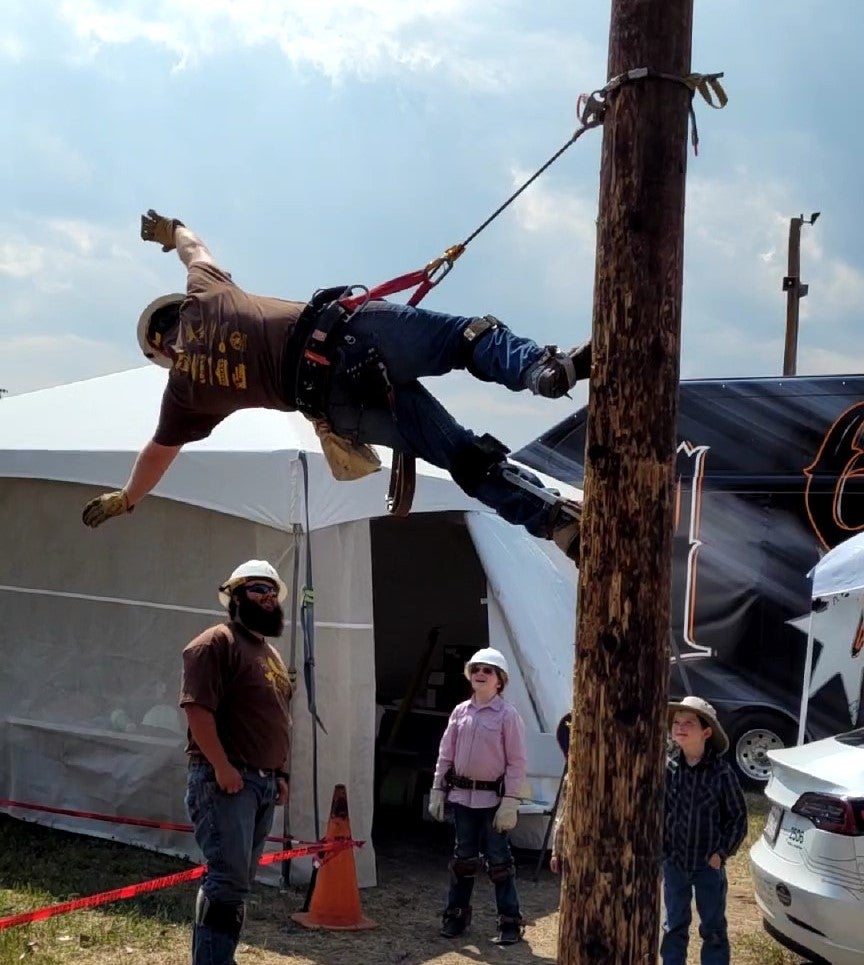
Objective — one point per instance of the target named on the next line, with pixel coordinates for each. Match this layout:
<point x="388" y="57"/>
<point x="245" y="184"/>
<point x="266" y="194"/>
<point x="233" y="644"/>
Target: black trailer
<point x="770" y="475"/>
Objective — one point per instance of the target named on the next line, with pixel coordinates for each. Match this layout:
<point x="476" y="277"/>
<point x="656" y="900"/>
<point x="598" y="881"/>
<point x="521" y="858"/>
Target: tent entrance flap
<point x="429" y="602"/>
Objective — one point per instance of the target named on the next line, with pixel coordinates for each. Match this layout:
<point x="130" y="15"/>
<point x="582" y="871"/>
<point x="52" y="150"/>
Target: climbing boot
<point x="556" y="372"/>
<point x="510" y="930"/>
<point x="455" y="921"/>
<point x="566" y="526"/>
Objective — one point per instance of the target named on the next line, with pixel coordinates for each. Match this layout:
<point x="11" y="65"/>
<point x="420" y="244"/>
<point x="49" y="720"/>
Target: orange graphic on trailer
<point x="834" y="515"/>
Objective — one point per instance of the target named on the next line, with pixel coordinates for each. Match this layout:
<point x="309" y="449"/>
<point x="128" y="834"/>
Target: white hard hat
<point x="147" y="348"/>
<point x="251" y="570"/>
<point x="491" y="657"/>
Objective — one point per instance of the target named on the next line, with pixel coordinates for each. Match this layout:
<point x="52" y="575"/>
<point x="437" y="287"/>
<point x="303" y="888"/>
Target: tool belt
<point x="452" y="779"/>
<point x="322" y="337"/>
<point x="319" y="332"/>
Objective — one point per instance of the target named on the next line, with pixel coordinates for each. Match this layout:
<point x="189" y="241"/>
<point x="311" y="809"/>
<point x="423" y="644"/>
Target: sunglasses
<point x="483" y="668"/>
<point x="262" y="589"/>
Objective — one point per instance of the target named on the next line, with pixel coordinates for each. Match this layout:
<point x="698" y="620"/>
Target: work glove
<point x="506" y="815"/>
<point x="347" y="459"/>
<point x="158" y="228"/>
<point x="437" y="797"/>
<point x="104" y="507"/>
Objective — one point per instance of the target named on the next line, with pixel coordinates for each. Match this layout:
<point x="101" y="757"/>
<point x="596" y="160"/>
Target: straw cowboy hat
<point x="706" y="713"/>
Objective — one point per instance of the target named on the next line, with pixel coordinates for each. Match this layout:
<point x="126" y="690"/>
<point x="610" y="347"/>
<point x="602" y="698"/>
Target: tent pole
<point x="296" y="531"/>
<point x="805" y="689"/>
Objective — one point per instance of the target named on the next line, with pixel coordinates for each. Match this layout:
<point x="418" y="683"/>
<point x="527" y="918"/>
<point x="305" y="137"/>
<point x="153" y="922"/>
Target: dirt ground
<point x="413" y="879"/>
<point x="407" y="907"/>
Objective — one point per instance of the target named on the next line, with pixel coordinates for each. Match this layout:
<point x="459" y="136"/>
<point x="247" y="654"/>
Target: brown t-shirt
<point x="243" y="682"/>
<point x="229" y="356"/>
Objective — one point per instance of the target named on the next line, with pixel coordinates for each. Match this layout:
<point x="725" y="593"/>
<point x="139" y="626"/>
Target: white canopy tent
<point x="92" y="622"/>
<point x="840" y="573"/>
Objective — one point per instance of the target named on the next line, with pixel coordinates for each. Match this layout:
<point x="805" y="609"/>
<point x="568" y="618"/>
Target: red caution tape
<point x="168" y="881"/>
<point x="112" y="818"/>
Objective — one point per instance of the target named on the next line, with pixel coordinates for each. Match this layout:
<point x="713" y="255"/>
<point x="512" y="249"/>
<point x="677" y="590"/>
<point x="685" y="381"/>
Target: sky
<point x="326" y="141"/>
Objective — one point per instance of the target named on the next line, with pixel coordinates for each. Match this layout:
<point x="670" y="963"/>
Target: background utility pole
<point x="613" y="811"/>
<point x="795" y="291"/>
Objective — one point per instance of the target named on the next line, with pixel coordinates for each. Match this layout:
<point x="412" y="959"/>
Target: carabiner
<point x="439" y="268"/>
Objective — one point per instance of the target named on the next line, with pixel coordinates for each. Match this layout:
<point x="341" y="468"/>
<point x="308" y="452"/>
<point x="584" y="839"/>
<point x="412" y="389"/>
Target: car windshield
<point x="854" y="737"/>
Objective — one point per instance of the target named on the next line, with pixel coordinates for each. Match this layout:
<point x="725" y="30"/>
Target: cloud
<point x="514" y="418"/>
<point x="71" y="292"/>
<point x="473" y="42"/>
<point x="40" y="361"/>
<point x="53" y="155"/>
<point x="12" y="47"/>
<point x="21" y="260"/>
<point x="61" y="255"/>
<point x="736" y="228"/>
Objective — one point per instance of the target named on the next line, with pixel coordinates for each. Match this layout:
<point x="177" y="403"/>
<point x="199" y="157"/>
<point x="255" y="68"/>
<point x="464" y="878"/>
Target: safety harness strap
<point x="403" y="480"/>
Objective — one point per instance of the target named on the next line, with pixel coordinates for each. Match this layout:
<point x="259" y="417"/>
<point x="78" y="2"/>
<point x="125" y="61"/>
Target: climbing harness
<point x="335" y="307"/>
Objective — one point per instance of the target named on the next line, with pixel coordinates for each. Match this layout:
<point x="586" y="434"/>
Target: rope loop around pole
<point x="708" y="86"/>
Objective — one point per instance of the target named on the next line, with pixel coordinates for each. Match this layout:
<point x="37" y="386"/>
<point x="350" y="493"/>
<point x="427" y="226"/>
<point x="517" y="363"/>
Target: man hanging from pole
<point x="354" y="372"/>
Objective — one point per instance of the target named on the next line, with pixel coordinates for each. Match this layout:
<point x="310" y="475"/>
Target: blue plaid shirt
<point x="705" y="811"/>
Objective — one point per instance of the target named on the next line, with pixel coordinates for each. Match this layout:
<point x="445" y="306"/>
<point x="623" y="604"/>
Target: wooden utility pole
<point x="613" y="810"/>
<point x="795" y="291"/>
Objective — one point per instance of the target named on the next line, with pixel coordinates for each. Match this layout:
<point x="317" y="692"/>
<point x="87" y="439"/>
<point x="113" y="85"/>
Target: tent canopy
<point x="90" y="432"/>
<point x="841" y="570"/>
<point x="97" y="620"/>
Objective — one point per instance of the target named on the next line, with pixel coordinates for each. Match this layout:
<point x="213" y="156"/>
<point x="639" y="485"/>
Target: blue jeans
<point x="230" y="830"/>
<point x="475" y="836"/>
<point x="415" y="343"/>
<point x="709" y="887"/>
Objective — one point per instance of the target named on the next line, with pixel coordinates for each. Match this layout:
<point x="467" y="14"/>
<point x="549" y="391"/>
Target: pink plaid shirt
<point x="483" y="742"/>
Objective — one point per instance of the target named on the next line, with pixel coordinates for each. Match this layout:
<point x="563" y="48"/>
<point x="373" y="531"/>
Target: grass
<point x="39" y="866"/>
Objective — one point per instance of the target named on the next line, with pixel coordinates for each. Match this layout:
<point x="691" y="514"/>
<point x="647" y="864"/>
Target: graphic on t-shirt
<point x="276" y="674"/>
<point x="210" y="356"/>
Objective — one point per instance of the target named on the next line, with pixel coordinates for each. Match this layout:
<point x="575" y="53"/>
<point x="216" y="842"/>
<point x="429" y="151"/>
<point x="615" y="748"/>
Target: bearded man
<point x="235" y="692"/>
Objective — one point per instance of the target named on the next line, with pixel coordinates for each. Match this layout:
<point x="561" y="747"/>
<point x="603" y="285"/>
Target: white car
<point x="808" y="865"/>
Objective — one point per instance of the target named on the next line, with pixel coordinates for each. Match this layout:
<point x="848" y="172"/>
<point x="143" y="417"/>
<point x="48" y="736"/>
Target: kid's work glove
<point x="347" y="459"/>
<point x="104" y="507"/>
<point x="506" y="815"/>
<point x="158" y="228"/>
<point x="437" y="797"/>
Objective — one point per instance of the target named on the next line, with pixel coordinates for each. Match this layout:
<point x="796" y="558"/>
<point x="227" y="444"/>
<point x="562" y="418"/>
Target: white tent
<point x="839" y="574"/>
<point x="92" y="622"/>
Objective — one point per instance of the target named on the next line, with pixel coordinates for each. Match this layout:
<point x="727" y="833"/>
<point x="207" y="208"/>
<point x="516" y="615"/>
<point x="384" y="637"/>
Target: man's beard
<point x="269" y="623"/>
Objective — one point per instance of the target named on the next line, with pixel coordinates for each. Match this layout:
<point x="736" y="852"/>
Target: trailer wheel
<point x="751" y="736"/>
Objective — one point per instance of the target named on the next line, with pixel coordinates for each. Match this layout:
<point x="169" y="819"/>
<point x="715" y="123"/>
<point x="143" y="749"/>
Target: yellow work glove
<point x="437" y="797"/>
<point x="506" y="815"/>
<point x="347" y="459"/>
<point x="158" y="228"/>
<point x="104" y="507"/>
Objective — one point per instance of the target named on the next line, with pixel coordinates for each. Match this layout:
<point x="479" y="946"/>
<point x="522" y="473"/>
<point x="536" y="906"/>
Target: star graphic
<point x="838" y="629"/>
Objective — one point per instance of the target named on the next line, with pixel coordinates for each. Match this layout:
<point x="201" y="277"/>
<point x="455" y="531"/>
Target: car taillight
<point x="828" y="812"/>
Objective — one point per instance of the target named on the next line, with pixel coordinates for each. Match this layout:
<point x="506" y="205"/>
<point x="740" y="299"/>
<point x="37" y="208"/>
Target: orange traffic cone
<point x="335" y="898"/>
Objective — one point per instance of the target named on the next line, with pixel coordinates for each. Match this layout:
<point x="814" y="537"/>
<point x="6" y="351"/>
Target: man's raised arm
<point x="172" y="233"/>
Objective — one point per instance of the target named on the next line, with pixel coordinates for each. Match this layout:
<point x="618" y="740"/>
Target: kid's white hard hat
<point x="250" y="570"/>
<point x="491" y="657"/>
<point x="150" y="349"/>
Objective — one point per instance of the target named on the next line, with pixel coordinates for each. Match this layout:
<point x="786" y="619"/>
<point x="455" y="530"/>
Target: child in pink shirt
<point x="480" y="771"/>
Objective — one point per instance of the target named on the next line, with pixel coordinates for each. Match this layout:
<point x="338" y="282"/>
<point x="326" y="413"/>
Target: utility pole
<point x="613" y="809"/>
<point x="795" y="291"/>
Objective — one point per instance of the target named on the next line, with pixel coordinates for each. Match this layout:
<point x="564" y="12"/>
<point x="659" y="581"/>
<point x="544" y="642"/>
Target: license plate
<point x="772" y="824"/>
